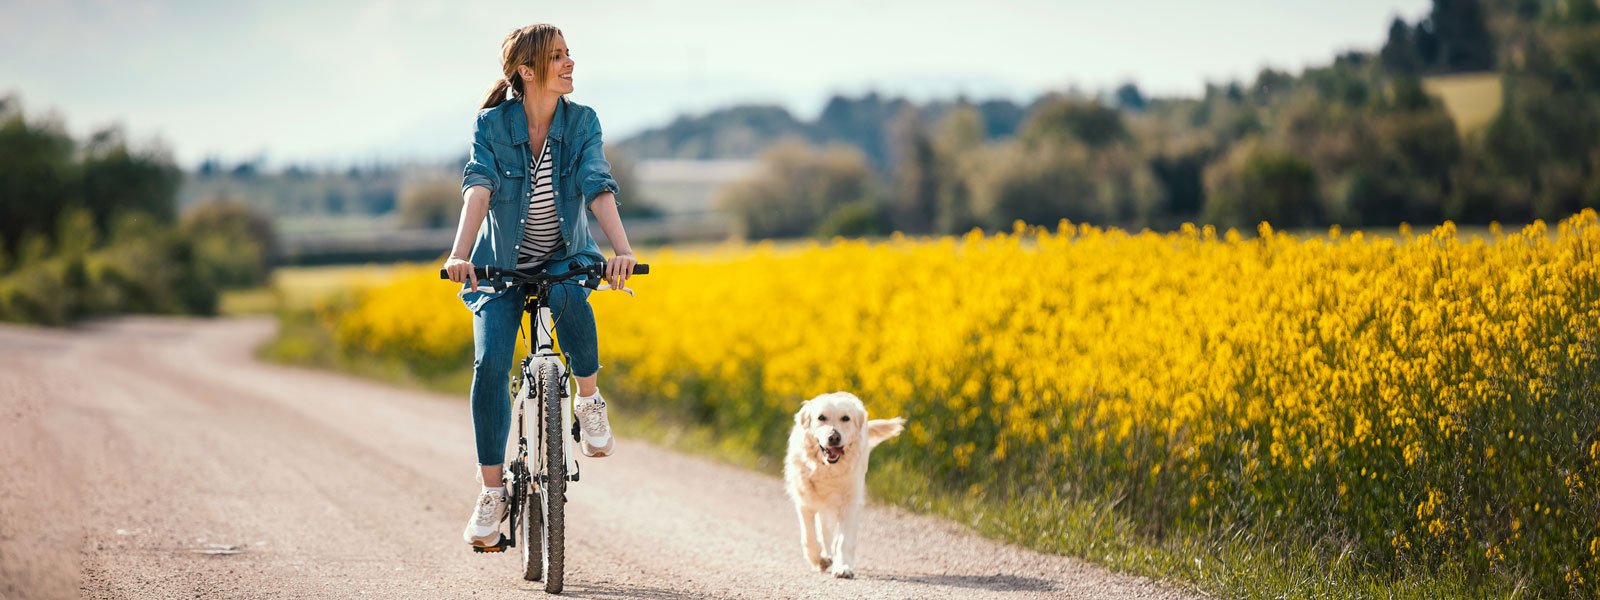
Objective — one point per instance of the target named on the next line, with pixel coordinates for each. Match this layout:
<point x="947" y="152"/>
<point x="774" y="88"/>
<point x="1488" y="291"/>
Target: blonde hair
<point x="526" y="46"/>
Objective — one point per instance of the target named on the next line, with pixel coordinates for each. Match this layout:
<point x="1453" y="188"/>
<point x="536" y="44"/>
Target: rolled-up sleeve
<point x="479" y="169"/>
<point x="594" y="171"/>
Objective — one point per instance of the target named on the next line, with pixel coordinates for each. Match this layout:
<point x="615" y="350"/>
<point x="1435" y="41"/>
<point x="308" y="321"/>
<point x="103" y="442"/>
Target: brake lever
<point x="481" y="288"/>
<point x="607" y="287"/>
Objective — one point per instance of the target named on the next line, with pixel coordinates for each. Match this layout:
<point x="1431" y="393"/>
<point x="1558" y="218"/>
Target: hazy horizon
<point x="351" y="82"/>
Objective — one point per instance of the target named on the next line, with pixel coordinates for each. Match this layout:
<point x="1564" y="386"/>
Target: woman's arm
<point x="474" y="207"/>
<point x="478" y="181"/>
<point x="600" y="191"/>
<point x="619" y="267"/>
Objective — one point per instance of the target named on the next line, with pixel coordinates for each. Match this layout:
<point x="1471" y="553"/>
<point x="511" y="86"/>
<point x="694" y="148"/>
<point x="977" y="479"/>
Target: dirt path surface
<point x="154" y="458"/>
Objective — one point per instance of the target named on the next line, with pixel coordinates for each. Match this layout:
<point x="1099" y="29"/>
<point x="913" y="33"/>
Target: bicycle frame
<point x="541" y="349"/>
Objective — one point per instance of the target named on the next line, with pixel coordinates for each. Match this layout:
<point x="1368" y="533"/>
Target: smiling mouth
<point x="566" y="76"/>
<point x="833" y="453"/>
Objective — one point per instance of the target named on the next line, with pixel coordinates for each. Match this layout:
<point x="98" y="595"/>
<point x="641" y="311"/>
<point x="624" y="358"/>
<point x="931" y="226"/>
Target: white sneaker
<point x="591" y="415"/>
<point x="484" y="527"/>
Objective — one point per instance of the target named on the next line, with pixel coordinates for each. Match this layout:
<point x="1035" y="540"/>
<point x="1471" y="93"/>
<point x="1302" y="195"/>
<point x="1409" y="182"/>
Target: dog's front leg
<point x="809" y="539"/>
<point x="844" y="555"/>
<point x="828" y="523"/>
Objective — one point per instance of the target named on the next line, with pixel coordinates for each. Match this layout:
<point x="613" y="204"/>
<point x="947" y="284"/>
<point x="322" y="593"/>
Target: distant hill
<point x="735" y="132"/>
<point x="744" y="132"/>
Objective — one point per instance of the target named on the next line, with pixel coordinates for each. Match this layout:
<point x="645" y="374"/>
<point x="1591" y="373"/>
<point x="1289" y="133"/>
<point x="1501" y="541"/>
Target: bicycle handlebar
<point x="494" y="275"/>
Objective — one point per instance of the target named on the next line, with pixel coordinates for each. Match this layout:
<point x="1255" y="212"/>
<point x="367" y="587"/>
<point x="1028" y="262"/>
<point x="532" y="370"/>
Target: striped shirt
<point x="541" y="238"/>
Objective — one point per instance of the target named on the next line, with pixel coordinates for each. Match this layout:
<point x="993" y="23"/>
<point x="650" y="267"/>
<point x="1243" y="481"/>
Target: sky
<point x="340" y="82"/>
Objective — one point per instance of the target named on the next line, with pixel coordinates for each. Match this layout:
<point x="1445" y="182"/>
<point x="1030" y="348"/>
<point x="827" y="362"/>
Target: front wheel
<point x="530" y="527"/>
<point x="553" y="485"/>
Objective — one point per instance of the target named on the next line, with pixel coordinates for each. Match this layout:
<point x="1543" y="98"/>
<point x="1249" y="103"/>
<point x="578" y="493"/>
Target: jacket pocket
<point x="513" y="181"/>
<point x="571" y="161"/>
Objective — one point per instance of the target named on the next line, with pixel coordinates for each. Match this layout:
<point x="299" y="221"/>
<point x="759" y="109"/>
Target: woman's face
<point x="560" y="70"/>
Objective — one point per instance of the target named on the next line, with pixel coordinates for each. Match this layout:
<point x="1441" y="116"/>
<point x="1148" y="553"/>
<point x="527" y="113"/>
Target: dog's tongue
<point x="833" y="453"/>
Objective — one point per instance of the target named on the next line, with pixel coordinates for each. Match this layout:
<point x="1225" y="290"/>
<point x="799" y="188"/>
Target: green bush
<point x="234" y="243"/>
<point x="797" y="188"/>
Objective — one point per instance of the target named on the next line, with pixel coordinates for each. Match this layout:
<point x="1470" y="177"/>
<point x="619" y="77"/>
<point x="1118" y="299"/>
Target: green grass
<point x="301" y="288"/>
<point x="332" y="224"/>
<point x="303" y="340"/>
<point x="1225" y="563"/>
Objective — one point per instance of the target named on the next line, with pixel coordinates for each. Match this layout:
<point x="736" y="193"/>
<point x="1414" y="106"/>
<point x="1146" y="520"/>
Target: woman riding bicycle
<point x="536" y="163"/>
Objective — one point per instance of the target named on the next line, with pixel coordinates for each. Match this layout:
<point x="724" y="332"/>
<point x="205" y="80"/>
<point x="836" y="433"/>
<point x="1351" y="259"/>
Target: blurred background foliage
<point x="91" y="227"/>
<point x="1479" y="112"/>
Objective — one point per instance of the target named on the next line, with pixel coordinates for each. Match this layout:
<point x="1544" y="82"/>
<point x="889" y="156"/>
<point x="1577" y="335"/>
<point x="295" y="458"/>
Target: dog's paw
<point x="821" y="564"/>
<point x="843" y="572"/>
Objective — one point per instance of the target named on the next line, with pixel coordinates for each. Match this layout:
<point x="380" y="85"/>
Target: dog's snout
<point x="834" y="438"/>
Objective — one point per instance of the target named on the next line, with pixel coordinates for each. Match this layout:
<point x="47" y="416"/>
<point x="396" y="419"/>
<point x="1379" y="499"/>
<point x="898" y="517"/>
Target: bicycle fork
<point x="544" y="350"/>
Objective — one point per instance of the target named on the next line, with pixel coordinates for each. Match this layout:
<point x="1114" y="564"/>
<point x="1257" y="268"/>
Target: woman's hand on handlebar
<point x="618" y="269"/>
<point x="460" y="271"/>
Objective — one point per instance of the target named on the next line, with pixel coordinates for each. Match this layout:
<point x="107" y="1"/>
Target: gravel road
<point x="153" y="457"/>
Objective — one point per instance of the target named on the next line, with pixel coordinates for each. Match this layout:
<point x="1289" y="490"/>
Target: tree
<point x="957" y="144"/>
<point x="1001" y="118"/>
<point x="39" y="176"/>
<point x="866" y="124"/>
<point x="1463" y="36"/>
<point x="235" y="243"/>
<point x="797" y="187"/>
<point x="1399" y="52"/>
<point x="1129" y="97"/>
<point x="1089" y="122"/>
<point x="1255" y="183"/>
<point x="119" y="179"/>
<point x="430" y="203"/>
<point x="914" y="201"/>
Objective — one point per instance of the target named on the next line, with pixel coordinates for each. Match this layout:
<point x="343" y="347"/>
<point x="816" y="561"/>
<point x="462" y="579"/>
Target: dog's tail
<point x="879" y="430"/>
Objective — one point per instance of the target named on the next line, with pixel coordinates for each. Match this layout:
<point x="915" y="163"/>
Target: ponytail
<point x="497" y="93"/>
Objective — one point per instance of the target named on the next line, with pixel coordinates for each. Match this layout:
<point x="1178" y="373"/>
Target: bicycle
<point x="533" y="488"/>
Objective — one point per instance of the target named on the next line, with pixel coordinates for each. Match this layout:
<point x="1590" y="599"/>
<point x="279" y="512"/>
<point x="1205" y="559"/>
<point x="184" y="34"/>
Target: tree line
<point x="1359" y="142"/>
<point x="91" y="227"/>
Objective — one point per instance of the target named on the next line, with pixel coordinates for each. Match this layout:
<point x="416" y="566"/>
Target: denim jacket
<point x="499" y="160"/>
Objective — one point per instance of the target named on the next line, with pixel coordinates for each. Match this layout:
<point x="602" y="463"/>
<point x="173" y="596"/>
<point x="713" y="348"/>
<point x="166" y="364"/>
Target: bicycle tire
<point x="553" y="492"/>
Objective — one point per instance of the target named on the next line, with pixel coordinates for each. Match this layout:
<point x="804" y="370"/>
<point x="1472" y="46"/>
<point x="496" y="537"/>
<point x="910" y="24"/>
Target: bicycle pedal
<point x="498" y="546"/>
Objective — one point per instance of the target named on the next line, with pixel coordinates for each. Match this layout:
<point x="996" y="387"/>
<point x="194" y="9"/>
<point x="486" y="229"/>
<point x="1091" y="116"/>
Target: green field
<point x="299" y="288"/>
<point x="1472" y="99"/>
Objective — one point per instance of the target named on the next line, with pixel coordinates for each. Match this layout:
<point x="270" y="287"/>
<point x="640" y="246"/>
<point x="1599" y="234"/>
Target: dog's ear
<point x="802" y="417"/>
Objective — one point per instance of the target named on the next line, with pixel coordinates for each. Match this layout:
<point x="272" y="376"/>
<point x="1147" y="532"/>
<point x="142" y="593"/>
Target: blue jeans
<point x="494" y="342"/>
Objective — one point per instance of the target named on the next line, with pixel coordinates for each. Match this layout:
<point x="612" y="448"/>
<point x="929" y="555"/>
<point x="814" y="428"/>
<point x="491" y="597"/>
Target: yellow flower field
<point x="1423" y="400"/>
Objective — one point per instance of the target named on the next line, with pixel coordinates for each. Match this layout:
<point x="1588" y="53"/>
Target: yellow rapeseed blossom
<point x="1346" y="375"/>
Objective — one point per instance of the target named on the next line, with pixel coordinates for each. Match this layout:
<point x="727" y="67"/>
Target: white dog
<point x="826" y="471"/>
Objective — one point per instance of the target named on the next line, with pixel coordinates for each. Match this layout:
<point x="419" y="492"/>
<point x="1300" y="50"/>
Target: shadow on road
<point x="996" y="583"/>
<point x="619" y="590"/>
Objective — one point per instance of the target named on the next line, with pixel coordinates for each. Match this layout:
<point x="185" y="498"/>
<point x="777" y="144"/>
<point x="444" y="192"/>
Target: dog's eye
<point x="823" y="418"/>
<point x="845" y="418"/>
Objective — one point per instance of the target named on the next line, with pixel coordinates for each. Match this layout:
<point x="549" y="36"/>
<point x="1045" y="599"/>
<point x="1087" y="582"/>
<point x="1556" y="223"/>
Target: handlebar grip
<point x="641" y="269"/>
<point x="481" y="271"/>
